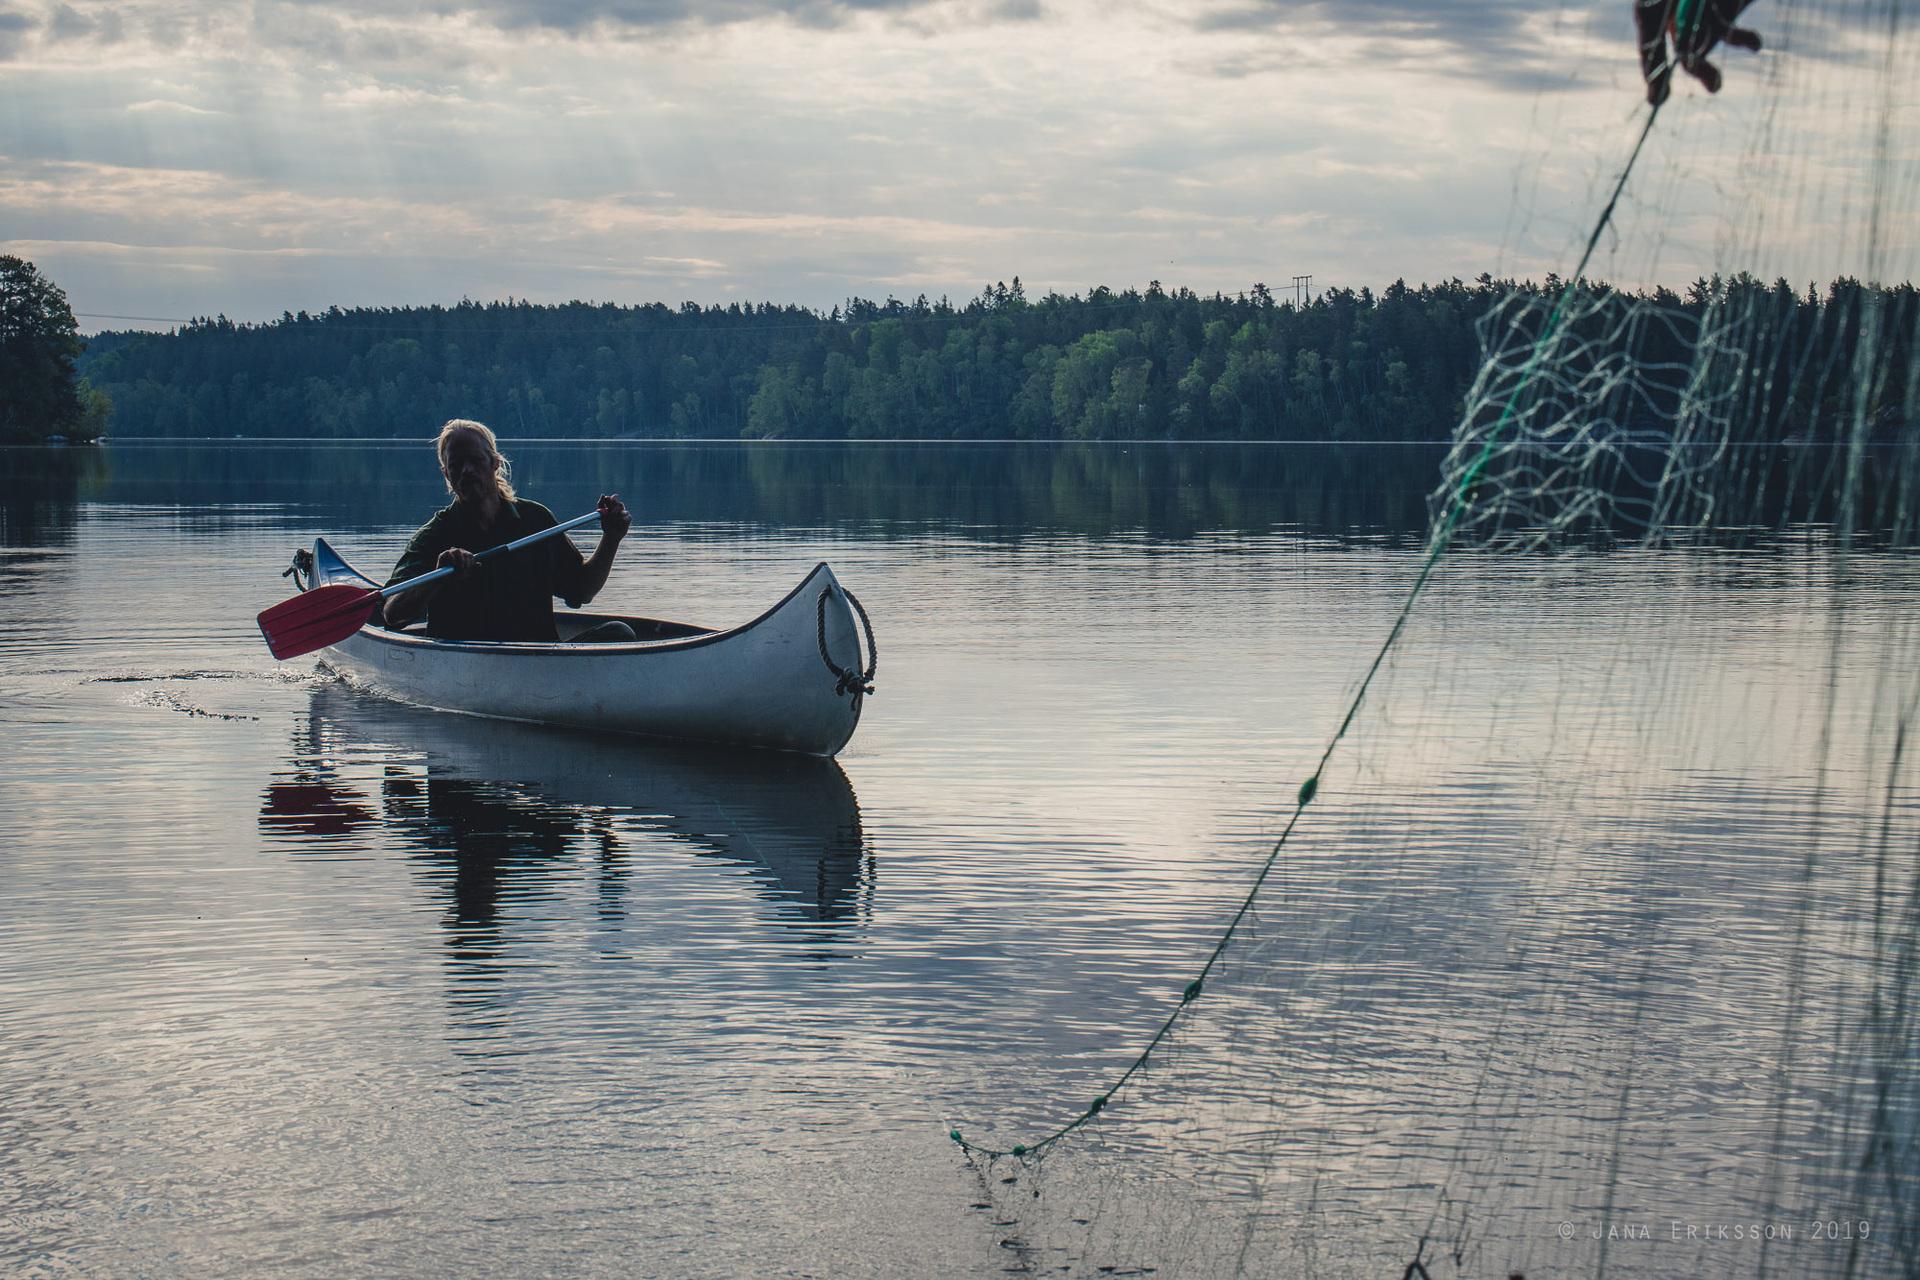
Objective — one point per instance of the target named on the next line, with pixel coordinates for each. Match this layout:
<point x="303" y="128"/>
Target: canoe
<point x="790" y="680"/>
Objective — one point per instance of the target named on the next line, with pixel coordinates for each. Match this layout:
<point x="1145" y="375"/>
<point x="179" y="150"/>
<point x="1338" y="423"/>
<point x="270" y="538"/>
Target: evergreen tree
<point x="40" y="393"/>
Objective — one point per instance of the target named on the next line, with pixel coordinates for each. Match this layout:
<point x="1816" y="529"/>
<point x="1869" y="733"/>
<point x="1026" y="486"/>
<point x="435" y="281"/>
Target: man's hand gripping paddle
<point x="327" y="615"/>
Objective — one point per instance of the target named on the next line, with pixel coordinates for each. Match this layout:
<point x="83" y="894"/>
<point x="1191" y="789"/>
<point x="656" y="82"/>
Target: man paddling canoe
<point x="510" y="597"/>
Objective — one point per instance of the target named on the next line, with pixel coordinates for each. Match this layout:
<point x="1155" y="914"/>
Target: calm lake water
<point x="1564" y="972"/>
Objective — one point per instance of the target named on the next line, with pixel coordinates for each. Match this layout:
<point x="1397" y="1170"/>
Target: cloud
<point x="585" y="15"/>
<point x="1475" y="26"/>
<point x="69" y="23"/>
<point x="167" y="105"/>
<point x="416" y="39"/>
<point x="1517" y="45"/>
<point x="592" y="17"/>
<point x="303" y="22"/>
<point x="423" y="43"/>
<point x="157" y="211"/>
<point x="14" y="29"/>
<point x="382" y="96"/>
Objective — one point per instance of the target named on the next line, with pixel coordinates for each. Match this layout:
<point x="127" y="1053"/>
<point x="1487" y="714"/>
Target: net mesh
<point x="1650" y="419"/>
<point x="1596" y="951"/>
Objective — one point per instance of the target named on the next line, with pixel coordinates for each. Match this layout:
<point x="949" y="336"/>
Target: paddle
<point x="327" y="615"/>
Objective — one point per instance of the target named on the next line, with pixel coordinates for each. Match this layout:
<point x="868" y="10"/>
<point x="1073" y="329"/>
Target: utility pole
<point x="1302" y="291"/>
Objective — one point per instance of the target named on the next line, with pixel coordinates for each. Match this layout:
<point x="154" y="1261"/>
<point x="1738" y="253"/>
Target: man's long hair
<point x="502" y="477"/>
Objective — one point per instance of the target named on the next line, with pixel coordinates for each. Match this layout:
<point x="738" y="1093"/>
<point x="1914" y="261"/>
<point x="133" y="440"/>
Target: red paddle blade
<point x="317" y="618"/>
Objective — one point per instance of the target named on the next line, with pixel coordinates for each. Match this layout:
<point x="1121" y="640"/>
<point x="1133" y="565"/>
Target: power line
<point x="101" y="315"/>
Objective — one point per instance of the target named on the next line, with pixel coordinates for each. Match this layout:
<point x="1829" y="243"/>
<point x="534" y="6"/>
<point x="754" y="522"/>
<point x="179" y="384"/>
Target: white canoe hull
<point x="763" y="684"/>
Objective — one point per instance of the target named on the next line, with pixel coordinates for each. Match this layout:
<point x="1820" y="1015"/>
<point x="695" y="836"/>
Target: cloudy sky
<point x="173" y="158"/>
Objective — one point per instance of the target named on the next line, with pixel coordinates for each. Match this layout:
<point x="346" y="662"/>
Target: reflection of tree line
<point x="499" y="814"/>
<point x="993" y="490"/>
<point x="1155" y="489"/>
<point x="1129" y="365"/>
<point x="996" y="491"/>
<point x="39" y="489"/>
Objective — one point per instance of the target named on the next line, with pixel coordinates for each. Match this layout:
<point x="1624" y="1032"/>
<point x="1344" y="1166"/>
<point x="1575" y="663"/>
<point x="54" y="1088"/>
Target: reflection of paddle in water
<point x="500" y="802"/>
<point x="313" y="808"/>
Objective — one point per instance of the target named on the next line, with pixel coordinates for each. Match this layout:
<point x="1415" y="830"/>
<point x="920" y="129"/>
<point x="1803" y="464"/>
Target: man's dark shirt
<point x="509" y="597"/>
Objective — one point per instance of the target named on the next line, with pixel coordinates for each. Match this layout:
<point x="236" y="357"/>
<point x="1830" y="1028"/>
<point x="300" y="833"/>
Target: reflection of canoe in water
<point x="778" y="681"/>
<point x="468" y="783"/>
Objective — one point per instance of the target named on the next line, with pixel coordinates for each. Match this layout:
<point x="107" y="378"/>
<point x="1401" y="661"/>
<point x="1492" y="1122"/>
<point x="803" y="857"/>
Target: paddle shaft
<point x="327" y="615"/>
<point x="435" y="575"/>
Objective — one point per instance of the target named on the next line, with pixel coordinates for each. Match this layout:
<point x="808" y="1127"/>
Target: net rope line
<point x="1437" y="546"/>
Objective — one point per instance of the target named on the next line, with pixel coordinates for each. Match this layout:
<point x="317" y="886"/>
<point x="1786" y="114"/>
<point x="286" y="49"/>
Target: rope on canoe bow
<point x="301" y="570"/>
<point x="852" y="680"/>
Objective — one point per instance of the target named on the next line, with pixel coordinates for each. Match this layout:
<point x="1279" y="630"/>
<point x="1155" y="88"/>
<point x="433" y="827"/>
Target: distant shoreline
<point x="144" y="442"/>
<point x="810" y="442"/>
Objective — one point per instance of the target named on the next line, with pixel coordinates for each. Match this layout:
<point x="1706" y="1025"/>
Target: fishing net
<point x="1588" y="944"/>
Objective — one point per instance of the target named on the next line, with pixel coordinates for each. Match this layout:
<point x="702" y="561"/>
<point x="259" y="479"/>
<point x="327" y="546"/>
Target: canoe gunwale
<point x="562" y="648"/>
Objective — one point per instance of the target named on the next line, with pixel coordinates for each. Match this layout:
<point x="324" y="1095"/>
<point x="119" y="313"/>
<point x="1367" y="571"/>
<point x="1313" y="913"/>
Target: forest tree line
<point x="1152" y="364"/>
